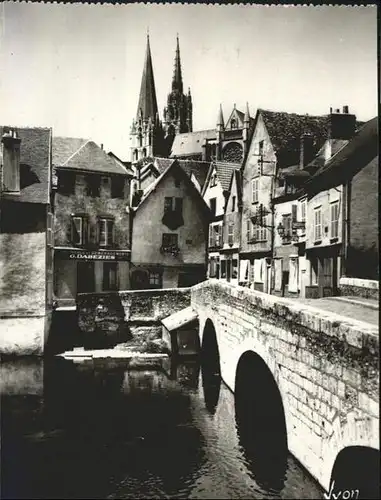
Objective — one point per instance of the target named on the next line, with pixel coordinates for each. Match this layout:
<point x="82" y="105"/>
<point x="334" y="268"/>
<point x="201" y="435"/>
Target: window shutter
<point x="294" y="212"/>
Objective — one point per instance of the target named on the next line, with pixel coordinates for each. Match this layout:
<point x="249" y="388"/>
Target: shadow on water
<point x="260" y="423"/>
<point x="100" y="429"/>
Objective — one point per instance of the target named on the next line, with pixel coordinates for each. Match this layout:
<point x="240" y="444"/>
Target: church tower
<point x="146" y="131"/>
<point x="178" y="112"/>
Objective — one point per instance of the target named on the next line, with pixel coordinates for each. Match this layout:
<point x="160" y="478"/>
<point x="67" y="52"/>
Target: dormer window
<point x="11" y="161"/>
<point x="233" y="123"/>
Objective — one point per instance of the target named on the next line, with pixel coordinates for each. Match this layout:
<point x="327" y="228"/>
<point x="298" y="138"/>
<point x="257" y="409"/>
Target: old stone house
<point x="169" y="233"/>
<point x="215" y="193"/>
<point x="92" y="246"/>
<point x="231" y="233"/>
<point x="26" y="253"/>
<point x="342" y="213"/>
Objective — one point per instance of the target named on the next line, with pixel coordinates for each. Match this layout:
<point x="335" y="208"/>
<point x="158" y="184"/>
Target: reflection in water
<point x="102" y="430"/>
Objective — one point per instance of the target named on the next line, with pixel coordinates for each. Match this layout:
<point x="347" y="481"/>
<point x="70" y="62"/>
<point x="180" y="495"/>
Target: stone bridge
<point x="304" y="379"/>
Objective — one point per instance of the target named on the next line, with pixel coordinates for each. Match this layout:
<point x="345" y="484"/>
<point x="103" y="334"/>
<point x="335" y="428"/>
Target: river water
<point x="102" y="430"/>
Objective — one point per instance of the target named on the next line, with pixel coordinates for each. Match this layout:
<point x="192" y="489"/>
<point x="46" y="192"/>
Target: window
<point x="169" y="242"/>
<point x="230" y="233"/>
<point x="173" y="212"/>
<point x="261" y="147"/>
<point x="303" y="211"/>
<point x="248" y="229"/>
<point x="233" y="123"/>
<point x="109" y="276"/>
<point x="117" y="187"/>
<point x="335" y="219"/>
<point x="211" y="241"/>
<point x="106" y="232"/>
<point x="177" y="182"/>
<point x="213" y="204"/>
<point x="79" y="230"/>
<point x="66" y="182"/>
<point x="93" y="185"/>
<point x="213" y="179"/>
<point x="154" y="279"/>
<point x="259" y="233"/>
<point x="254" y="190"/>
<point x="233" y="204"/>
<point x="317" y="224"/>
<point x="215" y="236"/>
<point x="173" y="205"/>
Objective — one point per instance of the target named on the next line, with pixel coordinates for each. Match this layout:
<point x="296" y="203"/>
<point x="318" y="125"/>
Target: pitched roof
<point x="89" y="157"/>
<point x="175" y="165"/>
<point x="285" y="130"/>
<point x="198" y="168"/>
<point x="65" y="147"/>
<point x="35" y="165"/>
<point x="224" y="172"/>
<point x="190" y="143"/>
<point x="236" y="174"/>
<point x="361" y="148"/>
<point x="147" y="97"/>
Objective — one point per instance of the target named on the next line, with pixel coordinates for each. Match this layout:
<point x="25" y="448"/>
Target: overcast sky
<point x="77" y="68"/>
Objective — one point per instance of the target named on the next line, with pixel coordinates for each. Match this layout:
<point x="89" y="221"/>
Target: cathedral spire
<point x="177" y="81"/>
<point x="147" y="105"/>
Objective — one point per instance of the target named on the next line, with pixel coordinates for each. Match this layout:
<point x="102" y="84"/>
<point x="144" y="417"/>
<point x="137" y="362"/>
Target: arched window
<point x="144" y="152"/>
<point x="233" y="123"/>
<point x="136" y="155"/>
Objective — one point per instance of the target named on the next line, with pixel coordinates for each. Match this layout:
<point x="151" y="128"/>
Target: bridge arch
<point x="355" y="473"/>
<point x="260" y="421"/>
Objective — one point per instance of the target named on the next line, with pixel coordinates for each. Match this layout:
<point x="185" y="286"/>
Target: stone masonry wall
<point x="359" y="288"/>
<point x="325" y="365"/>
<point x="115" y="311"/>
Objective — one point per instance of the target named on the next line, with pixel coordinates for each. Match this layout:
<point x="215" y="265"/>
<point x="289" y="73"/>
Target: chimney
<point x="341" y="125"/>
<point x="306" y="149"/>
<point x="11" y="161"/>
<point x="102" y="146"/>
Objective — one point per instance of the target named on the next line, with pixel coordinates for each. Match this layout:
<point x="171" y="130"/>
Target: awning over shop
<point x="179" y="319"/>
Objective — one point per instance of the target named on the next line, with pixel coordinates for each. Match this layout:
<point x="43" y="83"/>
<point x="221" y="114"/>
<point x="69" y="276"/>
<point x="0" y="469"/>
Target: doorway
<point x="85" y="277"/>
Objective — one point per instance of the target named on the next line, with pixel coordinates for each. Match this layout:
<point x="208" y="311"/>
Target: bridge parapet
<point x="326" y="367"/>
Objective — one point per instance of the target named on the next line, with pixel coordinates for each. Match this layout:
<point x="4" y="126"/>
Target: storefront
<point x="83" y="271"/>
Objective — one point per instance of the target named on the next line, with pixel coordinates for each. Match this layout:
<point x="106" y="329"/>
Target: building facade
<point x="215" y="194"/>
<point x="91" y="220"/>
<point x="342" y="229"/>
<point x="231" y="235"/>
<point x="26" y="253"/>
<point x="174" y="215"/>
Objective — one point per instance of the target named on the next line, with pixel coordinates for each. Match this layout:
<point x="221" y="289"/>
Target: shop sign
<point x="87" y="255"/>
